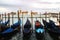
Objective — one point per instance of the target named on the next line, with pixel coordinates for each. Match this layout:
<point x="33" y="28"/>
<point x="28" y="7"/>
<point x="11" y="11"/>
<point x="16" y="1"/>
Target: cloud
<point x="3" y="10"/>
<point x="36" y="5"/>
<point x="30" y="3"/>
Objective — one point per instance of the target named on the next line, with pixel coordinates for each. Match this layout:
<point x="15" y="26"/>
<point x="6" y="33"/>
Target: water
<point x="19" y="36"/>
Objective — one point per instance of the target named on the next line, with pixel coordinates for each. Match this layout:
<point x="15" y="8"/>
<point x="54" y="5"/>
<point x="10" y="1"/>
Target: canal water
<point x="19" y="36"/>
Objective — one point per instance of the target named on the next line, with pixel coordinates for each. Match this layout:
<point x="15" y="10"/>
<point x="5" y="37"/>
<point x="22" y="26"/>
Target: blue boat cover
<point x="39" y="30"/>
<point x="8" y="31"/>
<point x="26" y="30"/>
<point x="5" y="23"/>
<point x="11" y="29"/>
<point x="16" y="24"/>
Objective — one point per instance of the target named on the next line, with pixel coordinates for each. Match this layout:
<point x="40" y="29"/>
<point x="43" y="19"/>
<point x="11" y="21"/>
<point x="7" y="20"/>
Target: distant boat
<point x="11" y="31"/>
<point x="27" y="30"/>
<point x="53" y="30"/>
<point x="39" y="30"/>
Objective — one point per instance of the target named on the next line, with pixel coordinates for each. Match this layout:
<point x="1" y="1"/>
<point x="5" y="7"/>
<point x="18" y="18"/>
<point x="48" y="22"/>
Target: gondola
<point x="4" y="25"/>
<point x="46" y="24"/>
<point x="53" y="30"/>
<point x="39" y="31"/>
<point x="27" y="30"/>
<point x="15" y="28"/>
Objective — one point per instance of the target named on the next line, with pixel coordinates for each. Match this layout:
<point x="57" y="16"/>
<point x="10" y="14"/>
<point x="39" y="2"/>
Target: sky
<point x="34" y="5"/>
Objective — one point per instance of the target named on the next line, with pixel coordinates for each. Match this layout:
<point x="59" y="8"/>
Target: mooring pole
<point x="40" y="16"/>
<point x="9" y="18"/>
<point x="13" y="13"/>
<point x="0" y="24"/>
<point x="12" y="17"/>
<point x="59" y="19"/>
<point x="33" y="13"/>
<point x="5" y="17"/>
<point x="32" y="20"/>
<point x="2" y="18"/>
<point x="24" y="12"/>
<point x="46" y="16"/>
<point x="18" y="14"/>
<point x="22" y="21"/>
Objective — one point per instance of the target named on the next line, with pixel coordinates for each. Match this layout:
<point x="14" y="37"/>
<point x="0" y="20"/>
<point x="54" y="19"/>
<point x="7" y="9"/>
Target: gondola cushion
<point x="39" y="30"/>
<point x="8" y="30"/>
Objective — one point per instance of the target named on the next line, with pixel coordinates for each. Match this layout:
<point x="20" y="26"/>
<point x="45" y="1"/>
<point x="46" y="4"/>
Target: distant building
<point x="53" y="16"/>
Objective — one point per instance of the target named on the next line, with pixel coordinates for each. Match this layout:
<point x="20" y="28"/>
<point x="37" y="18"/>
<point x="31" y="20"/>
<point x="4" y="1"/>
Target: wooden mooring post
<point x="33" y="13"/>
<point x="2" y="18"/>
<point x="9" y="19"/>
<point x="23" y="12"/>
<point x="19" y="20"/>
<point x="0" y="24"/>
<point x="5" y="17"/>
<point x="13" y="13"/>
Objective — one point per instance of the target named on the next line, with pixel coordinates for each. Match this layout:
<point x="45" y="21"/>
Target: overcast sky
<point x="34" y="5"/>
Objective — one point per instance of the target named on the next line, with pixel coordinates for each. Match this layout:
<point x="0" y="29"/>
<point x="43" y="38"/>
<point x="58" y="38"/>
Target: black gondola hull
<point x="8" y="35"/>
<point x="39" y="36"/>
<point x="54" y="35"/>
<point x="26" y="36"/>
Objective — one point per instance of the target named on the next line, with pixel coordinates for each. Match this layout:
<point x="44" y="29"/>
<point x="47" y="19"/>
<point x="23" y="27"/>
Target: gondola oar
<point x="27" y="30"/>
<point x="39" y="30"/>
